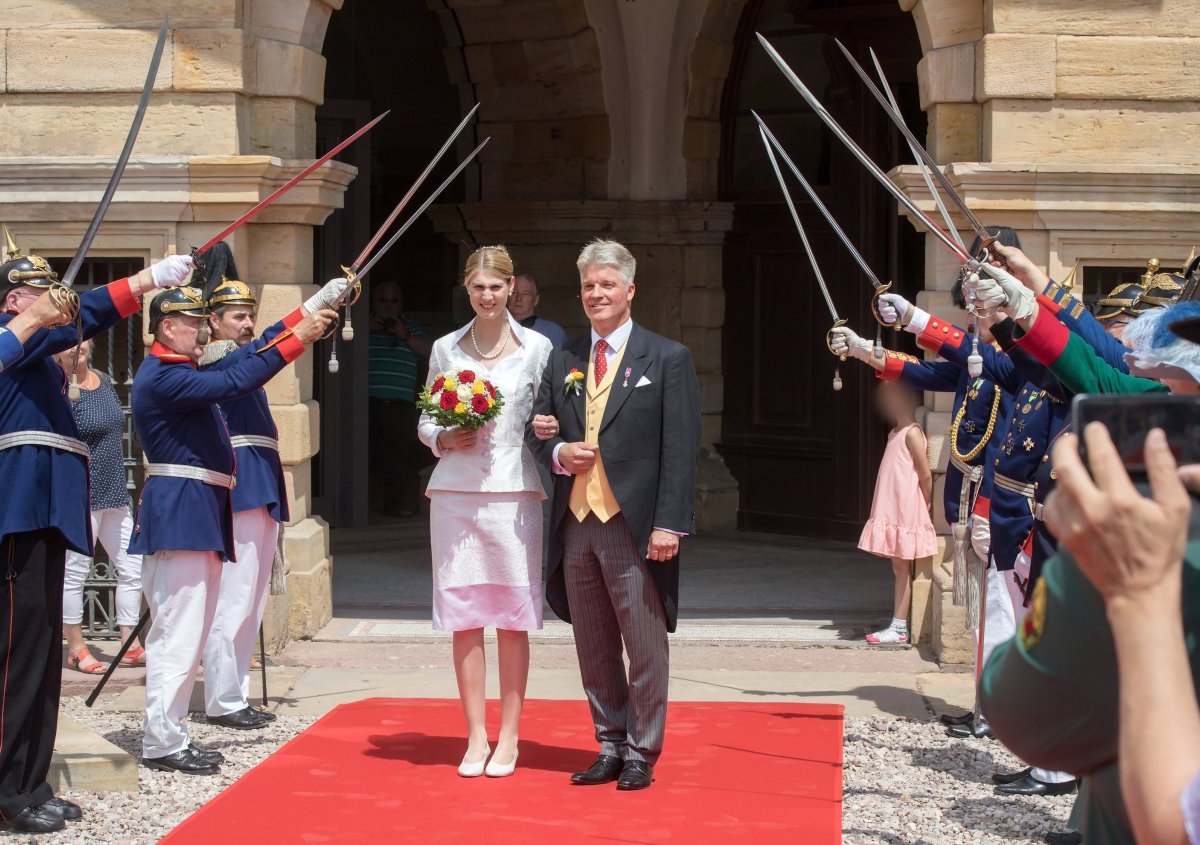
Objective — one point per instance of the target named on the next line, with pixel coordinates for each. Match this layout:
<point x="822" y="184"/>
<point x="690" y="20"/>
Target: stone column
<point x="232" y="117"/>
<point x="680" y="293"/>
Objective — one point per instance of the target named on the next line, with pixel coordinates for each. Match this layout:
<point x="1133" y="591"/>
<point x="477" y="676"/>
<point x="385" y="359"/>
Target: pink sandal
<point x="79" y="661"/>
<point x="134" y="657"/>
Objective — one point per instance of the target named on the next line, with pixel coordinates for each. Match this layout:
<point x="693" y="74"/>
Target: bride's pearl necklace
<point x="498" y="352"/>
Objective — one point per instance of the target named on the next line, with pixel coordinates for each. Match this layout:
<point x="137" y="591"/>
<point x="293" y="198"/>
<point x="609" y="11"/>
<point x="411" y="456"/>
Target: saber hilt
<point x="880" y="291"/>
<point x="837" y="376"/>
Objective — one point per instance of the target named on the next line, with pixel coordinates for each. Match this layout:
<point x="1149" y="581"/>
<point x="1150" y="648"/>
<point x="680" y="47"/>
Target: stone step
<point x="85" y="760"/>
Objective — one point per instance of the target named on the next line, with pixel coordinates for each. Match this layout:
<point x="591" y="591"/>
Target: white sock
<point x="899" y="624"/>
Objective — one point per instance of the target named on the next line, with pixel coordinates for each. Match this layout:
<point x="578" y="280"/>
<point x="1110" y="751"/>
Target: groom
<point x="628" y="404"/>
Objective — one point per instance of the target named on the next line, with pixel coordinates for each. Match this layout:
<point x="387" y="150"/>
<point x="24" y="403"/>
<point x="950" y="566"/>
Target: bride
<point x="485" y="511"/>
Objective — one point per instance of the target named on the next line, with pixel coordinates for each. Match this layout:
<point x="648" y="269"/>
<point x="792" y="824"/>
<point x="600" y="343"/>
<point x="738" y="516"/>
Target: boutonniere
<point x="573" y="382"/>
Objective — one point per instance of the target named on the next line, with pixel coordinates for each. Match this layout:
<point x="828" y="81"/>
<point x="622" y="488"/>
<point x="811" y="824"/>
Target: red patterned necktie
<point x="601" y="365"/>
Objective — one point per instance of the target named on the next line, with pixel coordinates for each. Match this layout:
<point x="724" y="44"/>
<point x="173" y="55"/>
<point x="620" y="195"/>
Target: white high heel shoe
<point x="501" y="770"/>
<point x="474" y="770"/>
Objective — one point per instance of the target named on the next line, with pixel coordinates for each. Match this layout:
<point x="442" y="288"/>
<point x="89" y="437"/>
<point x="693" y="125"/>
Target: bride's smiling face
<point x="489" y="294"/>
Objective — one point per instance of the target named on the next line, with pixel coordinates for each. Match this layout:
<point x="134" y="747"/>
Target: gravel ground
<point x="164" y="800"/>
<point x="907" y="783"/>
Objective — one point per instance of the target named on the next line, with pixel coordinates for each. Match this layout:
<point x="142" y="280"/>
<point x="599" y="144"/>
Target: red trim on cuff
<point x="892" y="368"/>
<point x="983" y="507"/>
<point x="122" y="297"/>
<point x="1046" y="338"/>
<point x="1049" y="304"/>
<point x="289" y="346"/>
<point x="290" y="321"/>
<point x="939" y="333"/>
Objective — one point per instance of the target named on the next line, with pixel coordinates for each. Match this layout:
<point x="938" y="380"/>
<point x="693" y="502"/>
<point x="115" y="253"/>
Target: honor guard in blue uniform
<point x="184" y="522"/>
<point x="259" y="498"/>
<point x="44" y="473"/>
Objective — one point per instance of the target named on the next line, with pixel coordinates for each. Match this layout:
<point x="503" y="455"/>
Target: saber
<point x="951" y="229"/>
<point x="387" y="224"/>
<point x="382" y="251"/>
<point x="262" y="658"/>
<point x="974" y="360"/>
<point x="863" y="158"/>
<point x="352" y="270"/>
<point x="123" y="159"/>
<point x="812" y="259"/>
<point x="880" y="287"/>
<point x="285" y="187"/>
<point x="923" y="155"/>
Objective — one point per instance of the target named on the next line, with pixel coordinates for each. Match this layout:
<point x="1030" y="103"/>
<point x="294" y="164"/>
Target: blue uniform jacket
<point x="1023" y="431"/>
<point x="11" y="350"/>
<point x="175" y="409"/>
<point x="46" y="487"/>
<point x="982" y="398"/>
<point x="259" y="473"/>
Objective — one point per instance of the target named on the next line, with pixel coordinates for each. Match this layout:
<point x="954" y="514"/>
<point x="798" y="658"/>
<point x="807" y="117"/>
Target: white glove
<point x="843" y="341"/>
<point x="893" y="308"/>
<point x="1001" y="290"/>
<point x="326" y="296"/>
<point x="172" y="271"/>
<point x="981" y="536"/>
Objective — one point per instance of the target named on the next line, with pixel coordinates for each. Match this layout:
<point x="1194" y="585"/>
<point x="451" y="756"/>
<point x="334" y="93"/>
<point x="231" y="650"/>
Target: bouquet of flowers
<point x="459" y="399"/>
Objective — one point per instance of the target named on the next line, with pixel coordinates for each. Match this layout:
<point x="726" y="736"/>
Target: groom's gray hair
<point x="606" y="253"/>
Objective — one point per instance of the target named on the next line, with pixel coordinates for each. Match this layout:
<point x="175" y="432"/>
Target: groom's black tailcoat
<point x="649" y="441"/>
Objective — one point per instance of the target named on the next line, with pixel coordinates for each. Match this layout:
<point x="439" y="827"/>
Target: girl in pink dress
<point x="900" y="526"/>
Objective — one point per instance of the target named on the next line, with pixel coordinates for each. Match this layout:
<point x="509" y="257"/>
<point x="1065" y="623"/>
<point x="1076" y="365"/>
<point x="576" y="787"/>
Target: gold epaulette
<point x="216" y="350"/>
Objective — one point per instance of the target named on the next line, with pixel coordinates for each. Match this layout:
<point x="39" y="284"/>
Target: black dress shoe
<point x="216" y="758"/>
<point x="245" y="719"/>
<point x="1064" y="837"/>
<point x="186" y="761"/>
<point x="954" y="721"/>
<point x="67" y="810"/>
<point x="606" y="769"/>
<point x="36" y="819"/>
<point x="1001" y="778"/>
<point x="1029" y="785"/>
<point x="969" y="731"/>
<point x="637" y="774"/>
<point x="265" y="715"/>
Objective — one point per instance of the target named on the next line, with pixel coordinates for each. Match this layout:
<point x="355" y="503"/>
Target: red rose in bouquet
<point x="438" y="384"/>
<point x="466" y="376"/>
<point x="449" y="400"/>
<point x="479" y="404"/>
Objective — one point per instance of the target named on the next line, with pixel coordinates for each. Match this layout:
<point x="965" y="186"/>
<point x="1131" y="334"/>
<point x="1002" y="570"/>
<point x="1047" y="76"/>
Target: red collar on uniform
<point x="168" y="356"/>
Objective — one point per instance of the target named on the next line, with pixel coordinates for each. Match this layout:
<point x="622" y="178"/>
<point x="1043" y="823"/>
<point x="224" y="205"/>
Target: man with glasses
<point x="524" y="302"/>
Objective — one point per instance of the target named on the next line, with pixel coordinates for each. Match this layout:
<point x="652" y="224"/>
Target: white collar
<point x="517" y="328"/>
<point x="617" y="338"/>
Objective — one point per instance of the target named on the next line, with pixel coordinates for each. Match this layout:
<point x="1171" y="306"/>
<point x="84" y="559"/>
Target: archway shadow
<point x="422" y="749"/>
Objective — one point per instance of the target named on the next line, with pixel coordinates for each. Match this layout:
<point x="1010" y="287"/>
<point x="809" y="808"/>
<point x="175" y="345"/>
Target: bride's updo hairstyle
<point x="493" y="260"/>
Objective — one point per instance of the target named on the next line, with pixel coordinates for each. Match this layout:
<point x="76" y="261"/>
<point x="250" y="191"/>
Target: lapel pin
<point x="628" y="371"/>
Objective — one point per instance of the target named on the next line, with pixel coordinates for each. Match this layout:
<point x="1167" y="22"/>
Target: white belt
<point x="972" y="474"/>
<point x="208" y="476"/>
<point x="255" y="440"/>
<point x="44" y="438"/>
<point x="1029" y="491"/>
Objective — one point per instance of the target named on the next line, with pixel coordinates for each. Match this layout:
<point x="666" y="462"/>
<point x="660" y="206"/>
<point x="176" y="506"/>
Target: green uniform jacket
<point x="1074" y="363"/>
<point x="1051" y="692"/>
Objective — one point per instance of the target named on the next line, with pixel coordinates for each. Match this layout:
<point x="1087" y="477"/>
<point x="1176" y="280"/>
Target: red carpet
<point x="383" y="770"/>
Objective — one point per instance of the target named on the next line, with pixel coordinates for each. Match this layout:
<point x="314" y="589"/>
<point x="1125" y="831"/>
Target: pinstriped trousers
<point x="614" y="602"/>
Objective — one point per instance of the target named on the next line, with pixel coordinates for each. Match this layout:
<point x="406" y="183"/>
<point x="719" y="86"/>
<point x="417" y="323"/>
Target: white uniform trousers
<point x="1010" y="600"/>
<point x="181" y="589"/>
<point x="241" y="603"/>
<point x="112" y="528"/>
<point x="999" y="614"/>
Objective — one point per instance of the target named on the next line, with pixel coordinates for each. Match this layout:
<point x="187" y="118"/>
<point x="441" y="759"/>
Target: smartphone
<point x="1129" y="417"/>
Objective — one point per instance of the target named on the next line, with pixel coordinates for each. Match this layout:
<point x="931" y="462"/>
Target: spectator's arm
<point x="417" y="340"/>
